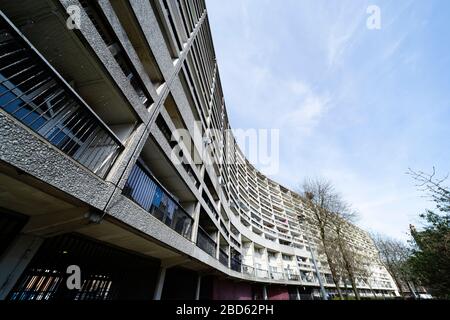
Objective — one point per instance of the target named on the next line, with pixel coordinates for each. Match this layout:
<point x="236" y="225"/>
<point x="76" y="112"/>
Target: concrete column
<point x="252" y="253"/>
<point x="197" y="289"/>
<point x="298" y="294"/>
<point x="229" y="257"/>
<point x="265" y="297"/>
<point x="15" y="260"/>
<point x="196" y="217"/>
<point x="217" y="243"/>
<point x="160" y="283"/>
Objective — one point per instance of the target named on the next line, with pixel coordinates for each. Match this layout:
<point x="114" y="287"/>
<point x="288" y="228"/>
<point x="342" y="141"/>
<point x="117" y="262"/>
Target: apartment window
<point x="259" y="251"/>
<point x="287" y="258"/>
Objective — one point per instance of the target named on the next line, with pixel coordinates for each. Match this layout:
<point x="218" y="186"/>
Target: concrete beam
<point x="173" y="262"/>
<point x="55" y="223"/>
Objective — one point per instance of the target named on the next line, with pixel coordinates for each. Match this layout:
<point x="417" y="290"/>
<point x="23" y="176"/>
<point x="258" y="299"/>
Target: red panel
<point x="229" y="290"/>
<point x="278" y="293"/>
<point x="243" y="291"/>
<point x="222" y="290"/>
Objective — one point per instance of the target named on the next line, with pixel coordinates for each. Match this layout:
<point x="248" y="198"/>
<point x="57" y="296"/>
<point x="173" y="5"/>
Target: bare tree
<point x="351" y="260"/>
<point x="366" y="271"/>
<point x="394" y="255"/>
<point x="329" y="213"/>
<point x="434" y="186"/>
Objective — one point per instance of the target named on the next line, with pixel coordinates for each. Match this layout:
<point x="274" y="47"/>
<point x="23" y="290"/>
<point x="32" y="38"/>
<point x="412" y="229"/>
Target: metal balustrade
<point x="277" y="275"/>
<point x="142" y="189"/>
<point x="266" y="274"/>
<point x="223" y="257"/>
<point x="236" y="265"/>
<point x="261" y="273"/>
<point x="33" y="93"/>
<point x="293" y="277"/>
<point x="248" y="269"/>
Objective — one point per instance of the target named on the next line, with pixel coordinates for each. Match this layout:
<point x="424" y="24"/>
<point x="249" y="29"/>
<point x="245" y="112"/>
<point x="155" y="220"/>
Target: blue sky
<point x="354" y="105"/>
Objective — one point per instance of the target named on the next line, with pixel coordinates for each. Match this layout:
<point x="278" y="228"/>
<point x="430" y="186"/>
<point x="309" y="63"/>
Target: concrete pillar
<point x="252" y="254"/>
<point x="197" y="289"/>
<point x="15" y="260"/>
<point x="229" y="257"/>
<point x="217" y="244"/>
<point x="160" y="283"/>
<point x="196" y="217"/>
<point x="298" y="294"/>
<point x="265" y="297"/>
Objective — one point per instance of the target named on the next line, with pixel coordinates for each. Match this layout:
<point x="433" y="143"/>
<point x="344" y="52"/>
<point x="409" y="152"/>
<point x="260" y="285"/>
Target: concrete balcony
<point x="142" y="189"/>
<point x="33" y="93"/>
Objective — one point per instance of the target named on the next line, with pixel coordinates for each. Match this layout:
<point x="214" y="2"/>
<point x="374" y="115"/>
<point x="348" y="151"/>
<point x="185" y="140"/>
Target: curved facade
<point x="123" y="139"/>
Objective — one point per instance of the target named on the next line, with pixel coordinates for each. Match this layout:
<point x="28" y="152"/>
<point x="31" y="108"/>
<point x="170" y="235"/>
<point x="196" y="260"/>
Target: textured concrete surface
<point x="98" y="45"/>
<point x="23" y="149"/>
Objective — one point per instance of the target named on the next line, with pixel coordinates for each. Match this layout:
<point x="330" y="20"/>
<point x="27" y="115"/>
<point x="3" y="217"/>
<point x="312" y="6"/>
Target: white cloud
<point x="342" y="33"/>
<point x="336" y="92"/>
<point x="306" y="110"/>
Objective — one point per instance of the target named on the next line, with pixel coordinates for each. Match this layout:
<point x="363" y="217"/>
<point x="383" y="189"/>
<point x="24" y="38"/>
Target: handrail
<point x="59" y="77"/>
<point x="206" y="233"/>
<point x="35" y="94"/>
<point x="142" y="188"/>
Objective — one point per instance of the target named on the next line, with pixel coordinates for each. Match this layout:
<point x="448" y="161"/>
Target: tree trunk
<point x="336" y="283"/>
<point x="354" y="288"/>
<point x="330" y="262"/>
<point x="335" y="277"/>
<point x="349" y="269"/>
<point x="411" y="289"/>
<point x="371" y="289"/>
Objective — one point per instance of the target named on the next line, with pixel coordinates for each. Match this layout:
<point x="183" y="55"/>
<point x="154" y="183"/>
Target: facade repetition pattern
<point x="110" y="100"/>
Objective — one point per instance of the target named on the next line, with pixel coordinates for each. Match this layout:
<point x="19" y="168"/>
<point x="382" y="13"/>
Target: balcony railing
<point x="143" y="190"/>
<point x="210" y="204"/>
<point x="223" y="257"/>
<point x="248" y="270"/>
<point x="293" y="277"/>
<point x="236" y="264"/>
<point x="261" y="273"/>
<point x="32" y="92"/>
<point x="276" y="275"/>
<point x="224" y="228"/>
<point x="205" y="242"/>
